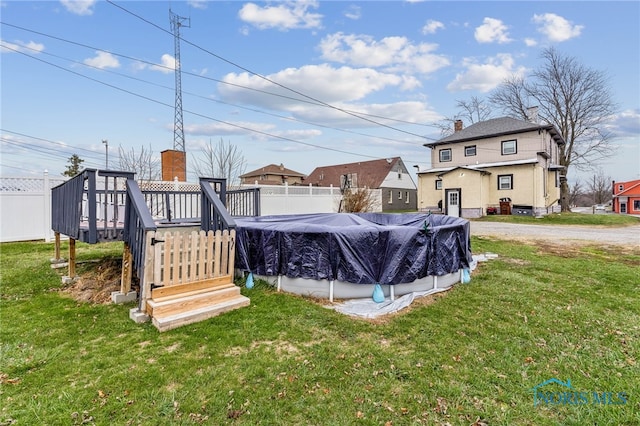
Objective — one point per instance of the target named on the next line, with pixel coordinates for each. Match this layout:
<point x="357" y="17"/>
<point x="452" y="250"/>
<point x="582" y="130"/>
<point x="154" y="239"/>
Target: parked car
<point x="599" y="208"/>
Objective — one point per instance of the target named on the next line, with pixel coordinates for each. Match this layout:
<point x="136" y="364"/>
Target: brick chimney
<point x="457" y="126"/>
<point x="174" y="165"/>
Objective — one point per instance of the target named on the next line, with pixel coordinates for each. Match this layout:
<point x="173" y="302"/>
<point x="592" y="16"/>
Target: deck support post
<point x="57" y="261"/>
<point x="392" y="292"/>
<point x="72" y="263"/>
<point x="331" y="291"/>
<point x="125" y="294"/>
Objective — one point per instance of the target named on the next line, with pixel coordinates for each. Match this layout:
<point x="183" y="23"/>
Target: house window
<point x="399" y="175"/>
<point x="406" y="197"/>
<point x="636" y="205"/>
<point x="505" y="182"/>
<point x="620" y="187"/>
<point x="445" y="155"/>
<point x="390" y="197"/>
<point x="399" y="195"/>
<point x="469" y="151"/>
<point x="438" y="184"/>
<point x="509" y="147"/>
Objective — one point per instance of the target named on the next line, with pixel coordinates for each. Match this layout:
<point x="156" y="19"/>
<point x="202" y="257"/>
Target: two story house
<point x="395" y="186"/>
<point x="272" y="175"/>
<point x="626" y="197"/>
<point x="502" y="165"/>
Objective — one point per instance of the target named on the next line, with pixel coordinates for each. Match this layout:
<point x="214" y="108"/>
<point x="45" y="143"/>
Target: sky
<point x="303" y="83"/>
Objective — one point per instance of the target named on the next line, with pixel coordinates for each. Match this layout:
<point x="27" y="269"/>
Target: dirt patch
<point x="96" y="281"/>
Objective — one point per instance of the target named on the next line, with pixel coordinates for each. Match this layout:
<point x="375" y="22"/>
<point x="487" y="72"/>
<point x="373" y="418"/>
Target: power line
<point x="190" y="112"/>
<point x="263" y="77"/>
<point x="289" y="118"/>
<point x="317" y="103"/>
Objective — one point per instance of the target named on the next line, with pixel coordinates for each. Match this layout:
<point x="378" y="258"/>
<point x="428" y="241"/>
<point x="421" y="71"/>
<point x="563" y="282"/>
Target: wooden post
<point x="125" y="278"/>
<point x="147" y="280"/>
<point x="57" y="247"/>
<point x="72" y="258"/>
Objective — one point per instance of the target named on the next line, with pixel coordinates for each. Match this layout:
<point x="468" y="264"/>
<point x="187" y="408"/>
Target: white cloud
<point x="487" y="76"/>
<point x="198" y="4"/>
<point x="79" y="7"/>
<point x="391" y="53"/>
<point x="285" y="16"/>
<point x="103" y="60"/>
<point x="530" y="42"/>
<point x="167" y="65"/>
<point x="353" y="12"/>
<point x="340" y="87"/>
<point x="556" y="28"/>
<point x="20" y="46"/>
<point x="492" y="31"/>
<point x="626" y="124"/>
<point x="329" y="84"/>
<point x="432" y="26"/>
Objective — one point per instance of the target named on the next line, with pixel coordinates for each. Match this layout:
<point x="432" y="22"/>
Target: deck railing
<point x="66" y="205"/>
<point x="214" y="215"/>
<point x="86" y="211"/>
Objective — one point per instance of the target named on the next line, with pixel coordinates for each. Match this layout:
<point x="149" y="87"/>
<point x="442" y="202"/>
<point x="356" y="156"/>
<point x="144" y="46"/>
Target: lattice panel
<point x="26" y="184"/>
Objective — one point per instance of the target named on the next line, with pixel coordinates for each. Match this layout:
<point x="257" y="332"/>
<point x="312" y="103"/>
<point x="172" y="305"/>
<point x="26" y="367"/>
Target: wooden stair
<point x="171" y="309"/>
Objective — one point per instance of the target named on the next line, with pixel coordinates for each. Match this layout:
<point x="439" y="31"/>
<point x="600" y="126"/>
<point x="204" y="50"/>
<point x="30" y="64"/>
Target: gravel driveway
<point x="562" y="234"/>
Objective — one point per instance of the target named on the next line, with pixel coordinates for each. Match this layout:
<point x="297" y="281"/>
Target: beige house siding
<point x="480" y="190"/>
<point x="489" y="150"/>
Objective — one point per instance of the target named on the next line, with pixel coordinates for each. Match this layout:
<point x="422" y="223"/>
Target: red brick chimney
<point x="457" y="126"/>
<point x="174" y="164"/>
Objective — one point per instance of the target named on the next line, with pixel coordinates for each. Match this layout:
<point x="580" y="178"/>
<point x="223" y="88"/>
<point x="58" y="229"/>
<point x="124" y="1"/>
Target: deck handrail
<point x="66" y="204"/>
<point x="214" y="215"/>
<point x="76" y="201"/>
<point x="138" y="222"/>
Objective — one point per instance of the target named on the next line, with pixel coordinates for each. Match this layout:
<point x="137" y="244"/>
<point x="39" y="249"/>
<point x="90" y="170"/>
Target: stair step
<point x="171" y="321"/>
<point x="194" y="292"/>
<point x="191" y="301"/>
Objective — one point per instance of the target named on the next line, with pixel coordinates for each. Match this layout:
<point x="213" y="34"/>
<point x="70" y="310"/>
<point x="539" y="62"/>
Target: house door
<point x="623" y="207"/>
<point x="453" y="202"/>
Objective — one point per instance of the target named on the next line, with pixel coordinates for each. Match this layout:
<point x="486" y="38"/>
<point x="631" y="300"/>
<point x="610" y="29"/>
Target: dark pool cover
<point x="364" y="248"/>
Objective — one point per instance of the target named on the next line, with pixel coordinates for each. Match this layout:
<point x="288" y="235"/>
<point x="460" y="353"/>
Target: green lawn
<point x="468" y="357"/>
<point x="606" y="219"/>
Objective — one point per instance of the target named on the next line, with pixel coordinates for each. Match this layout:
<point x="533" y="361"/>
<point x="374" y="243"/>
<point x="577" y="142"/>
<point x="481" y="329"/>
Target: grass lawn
<point x="470" y="356"/>
<point x="567" y="219"/>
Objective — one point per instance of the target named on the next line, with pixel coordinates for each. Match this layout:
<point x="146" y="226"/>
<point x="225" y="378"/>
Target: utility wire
<point x="261" y="76"/>
<point x="188" y="111"/>
<point x="311" y="101"/>
<point x="218" y="100"/>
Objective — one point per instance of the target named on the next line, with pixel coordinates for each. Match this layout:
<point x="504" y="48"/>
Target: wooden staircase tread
<point x="192" y="302"/>
<point x="170" y="321"/>
<point x="191" y="293"/>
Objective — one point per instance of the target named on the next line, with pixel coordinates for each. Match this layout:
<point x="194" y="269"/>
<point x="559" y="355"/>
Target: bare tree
<point x="358" y="200"/>
<point x="472" y="111"/>
<point x="575" y="193"/>
<point x="575" y="99"/>
<point x="600" y="188"/>
<point x="142" y="163"/>
<point x="223" y="160"/>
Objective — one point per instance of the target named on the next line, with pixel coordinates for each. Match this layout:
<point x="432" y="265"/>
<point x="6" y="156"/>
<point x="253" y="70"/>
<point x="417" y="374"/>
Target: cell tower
<point x="178" y="127"/>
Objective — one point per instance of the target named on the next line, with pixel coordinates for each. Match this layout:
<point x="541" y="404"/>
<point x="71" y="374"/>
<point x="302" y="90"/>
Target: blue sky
<point x="77" y="72"/>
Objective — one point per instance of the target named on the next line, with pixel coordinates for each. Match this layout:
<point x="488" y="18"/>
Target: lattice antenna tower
<point x="178" y="125"/>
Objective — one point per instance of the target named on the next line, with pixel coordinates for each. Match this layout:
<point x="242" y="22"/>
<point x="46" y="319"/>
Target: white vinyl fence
<point x="25" y="204"/>
<point x="25" y="207"/>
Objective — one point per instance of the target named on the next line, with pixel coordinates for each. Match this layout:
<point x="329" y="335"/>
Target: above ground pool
<point x="345" y="255"/>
